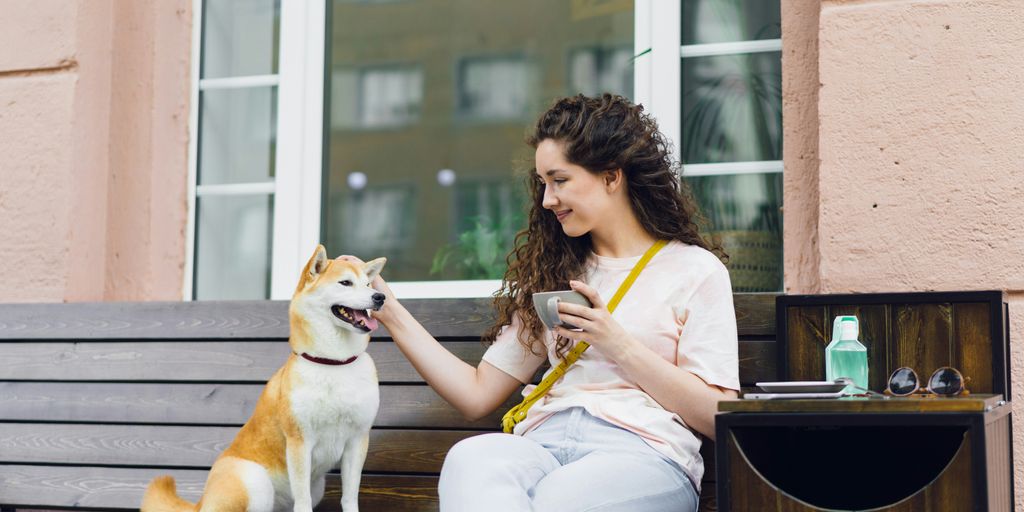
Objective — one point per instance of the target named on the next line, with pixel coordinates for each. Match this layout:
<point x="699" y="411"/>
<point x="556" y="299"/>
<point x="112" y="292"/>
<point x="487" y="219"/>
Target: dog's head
<point x="340" y="291"/>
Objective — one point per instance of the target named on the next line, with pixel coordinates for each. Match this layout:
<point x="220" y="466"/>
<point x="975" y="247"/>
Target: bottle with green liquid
<point x="845" y="356"/>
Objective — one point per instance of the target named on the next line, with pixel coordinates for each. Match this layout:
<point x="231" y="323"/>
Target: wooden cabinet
<point x="902" y="454"/>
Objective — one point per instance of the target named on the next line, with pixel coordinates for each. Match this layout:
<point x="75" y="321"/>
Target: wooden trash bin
<point x="947" y="453"/>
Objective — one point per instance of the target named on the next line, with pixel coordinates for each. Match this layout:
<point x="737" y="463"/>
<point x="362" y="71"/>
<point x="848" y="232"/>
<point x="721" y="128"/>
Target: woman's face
<point x="578" y="198"/>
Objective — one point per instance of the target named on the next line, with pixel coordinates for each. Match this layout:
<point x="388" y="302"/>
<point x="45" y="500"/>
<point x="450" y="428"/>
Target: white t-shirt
<point x="678" y="278"/>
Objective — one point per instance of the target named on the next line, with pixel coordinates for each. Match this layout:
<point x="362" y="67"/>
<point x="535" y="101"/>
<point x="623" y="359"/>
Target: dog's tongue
<point x="361" y="314"/>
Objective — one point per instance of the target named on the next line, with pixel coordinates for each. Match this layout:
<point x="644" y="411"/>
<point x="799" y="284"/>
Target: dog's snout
<point x="378" y="300"/>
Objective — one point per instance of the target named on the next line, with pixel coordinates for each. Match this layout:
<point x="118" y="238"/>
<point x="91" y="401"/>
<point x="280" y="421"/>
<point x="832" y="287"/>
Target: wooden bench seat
<point x="98" y="398"/>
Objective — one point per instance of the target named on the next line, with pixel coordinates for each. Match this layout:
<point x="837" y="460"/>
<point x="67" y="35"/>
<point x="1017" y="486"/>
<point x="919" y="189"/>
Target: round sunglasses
<point x="945" y="381"/>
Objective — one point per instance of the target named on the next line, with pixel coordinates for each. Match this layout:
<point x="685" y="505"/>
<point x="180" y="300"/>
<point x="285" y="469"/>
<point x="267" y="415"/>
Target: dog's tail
<point x="162" y="496"/>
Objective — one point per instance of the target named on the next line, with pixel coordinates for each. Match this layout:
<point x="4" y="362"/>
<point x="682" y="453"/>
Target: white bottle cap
<point x="849" y="328"/>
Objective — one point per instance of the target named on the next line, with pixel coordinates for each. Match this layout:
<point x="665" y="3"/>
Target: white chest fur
<point x="334" y="405"/>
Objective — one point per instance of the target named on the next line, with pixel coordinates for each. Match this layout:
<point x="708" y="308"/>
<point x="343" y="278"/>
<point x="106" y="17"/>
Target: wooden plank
<point x="758" y="361"/>
<point x="922" y="337"/>
<point x="972" y="345"/>
<point x="221" y="404"/>
<point x="257" y="320"/>
<point x="99" y="487"/>
<point x="385" y="494"/>
<point x="132" y="320"/>
<point x="417" y="451"/>
<point x="242" y="361"/>
<point x="122" y="488"/>
<point x="755" y="313"/>
<point x="186" y="361"/>
<point x="806" y="342"/>
<point x="209" y="319"/>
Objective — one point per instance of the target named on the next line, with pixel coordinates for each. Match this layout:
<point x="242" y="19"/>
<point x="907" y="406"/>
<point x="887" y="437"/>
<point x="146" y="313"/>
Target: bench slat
<point x="242" y="361"/>
<point x="122" y="488"/>
<point x="444" y="318"/>
<point x="409" y="406"/>
<point x="211" y="361"/>
<point x="414" y="451"/>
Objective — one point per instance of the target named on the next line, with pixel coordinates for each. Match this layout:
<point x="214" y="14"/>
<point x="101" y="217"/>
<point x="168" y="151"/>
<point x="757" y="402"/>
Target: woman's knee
<point x="485" y="456"/>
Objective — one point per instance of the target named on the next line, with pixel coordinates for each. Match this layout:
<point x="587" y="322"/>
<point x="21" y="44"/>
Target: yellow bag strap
<point x="518" y="413"/>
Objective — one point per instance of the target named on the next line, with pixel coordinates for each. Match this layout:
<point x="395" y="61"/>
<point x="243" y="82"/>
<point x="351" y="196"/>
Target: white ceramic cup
<point x="546" y="304"/>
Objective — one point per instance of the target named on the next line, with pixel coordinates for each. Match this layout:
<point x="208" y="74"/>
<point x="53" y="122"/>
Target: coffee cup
<point x="546" y="305"/>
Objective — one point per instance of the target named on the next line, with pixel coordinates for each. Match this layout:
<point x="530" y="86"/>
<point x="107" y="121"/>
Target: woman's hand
<point x="599" y="328"/>
<point x="383" y="315"/>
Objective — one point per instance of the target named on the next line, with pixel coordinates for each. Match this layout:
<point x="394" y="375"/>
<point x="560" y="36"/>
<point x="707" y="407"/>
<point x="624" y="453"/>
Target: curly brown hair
<point x="599" y="134"/>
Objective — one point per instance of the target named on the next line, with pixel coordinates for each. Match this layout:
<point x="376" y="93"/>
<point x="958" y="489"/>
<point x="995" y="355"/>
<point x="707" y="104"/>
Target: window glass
<point x="744" y="212"/>
<point x="233" y="247"/>
<point x="732" y="108"/>
<point x="726" y="21"/>
<point x="240" y="37"/>
<point x="452" y="87"/>
<point x="237" y="135"/>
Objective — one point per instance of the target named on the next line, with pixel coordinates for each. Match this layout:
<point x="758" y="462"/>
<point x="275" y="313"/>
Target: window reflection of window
<point x="593" y="71"/>
<point x="377" y="219"/>
<point x="376" y="98"/>
<point x="495" y="88"/>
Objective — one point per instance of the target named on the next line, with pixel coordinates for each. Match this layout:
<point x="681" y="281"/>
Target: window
<point x="234" y="153"/>
<point x="395" y="128"/>
<point x="383" y="97"/>
<point x="495" y="88"/>
<point x="731" y="100"/>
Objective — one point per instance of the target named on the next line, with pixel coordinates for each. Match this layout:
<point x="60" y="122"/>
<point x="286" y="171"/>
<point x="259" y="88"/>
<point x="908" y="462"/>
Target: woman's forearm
<point x="458" y="382"/>
<point x="676" y="389"/>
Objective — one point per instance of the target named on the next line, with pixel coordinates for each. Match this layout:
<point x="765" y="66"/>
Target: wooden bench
<point x="98" y="398"/>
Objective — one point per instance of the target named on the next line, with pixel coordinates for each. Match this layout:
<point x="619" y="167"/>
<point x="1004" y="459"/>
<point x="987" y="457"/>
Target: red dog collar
<point x="324" y="360"/>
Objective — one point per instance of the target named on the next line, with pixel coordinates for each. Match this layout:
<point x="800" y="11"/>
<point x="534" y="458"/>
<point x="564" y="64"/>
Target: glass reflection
<point x="724" y="21"/>
<point x="743" y="211"/>
<point x="732" y="108"/>
<point x="238" y="140"/>
<point x="240" y="37"/>
<point x="232" y="249"/>
<point x="430" y="101"/>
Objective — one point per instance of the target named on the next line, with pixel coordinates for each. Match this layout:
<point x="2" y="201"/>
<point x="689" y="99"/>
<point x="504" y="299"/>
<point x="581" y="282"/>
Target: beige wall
<point x="94" y="132"/>
<point x="904" y="153"/>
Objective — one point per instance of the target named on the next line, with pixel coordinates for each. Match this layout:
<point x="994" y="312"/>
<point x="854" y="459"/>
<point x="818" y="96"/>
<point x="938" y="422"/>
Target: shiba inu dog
<point x="317" y="409"/>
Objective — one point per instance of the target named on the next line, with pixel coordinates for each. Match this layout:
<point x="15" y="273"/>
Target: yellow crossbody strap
<point x="518" y="413"/>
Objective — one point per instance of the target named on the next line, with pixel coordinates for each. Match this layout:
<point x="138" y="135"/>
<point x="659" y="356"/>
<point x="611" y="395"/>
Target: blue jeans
<point x="571" y="462"/>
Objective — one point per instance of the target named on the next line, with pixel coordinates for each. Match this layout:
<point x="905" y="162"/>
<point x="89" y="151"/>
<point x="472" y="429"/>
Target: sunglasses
<point x="946" y="381"/>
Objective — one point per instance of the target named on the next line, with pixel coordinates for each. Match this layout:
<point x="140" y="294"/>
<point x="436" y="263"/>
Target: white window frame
<point x="657" y="82"/>
<point x="297" y="167"/>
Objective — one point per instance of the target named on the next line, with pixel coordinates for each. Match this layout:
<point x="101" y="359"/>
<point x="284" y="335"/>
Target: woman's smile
<point x="562" y="215"/>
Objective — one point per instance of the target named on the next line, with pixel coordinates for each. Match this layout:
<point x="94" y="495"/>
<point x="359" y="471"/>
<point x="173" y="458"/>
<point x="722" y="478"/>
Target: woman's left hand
<point x="599" y="328"/>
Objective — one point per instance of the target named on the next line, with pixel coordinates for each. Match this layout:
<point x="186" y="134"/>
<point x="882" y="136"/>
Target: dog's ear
<point x="372" y="268"/>
<point x="316" y="265"/>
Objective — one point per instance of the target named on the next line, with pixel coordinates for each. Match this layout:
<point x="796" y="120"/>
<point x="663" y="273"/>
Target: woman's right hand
<point x="383" y="314"/>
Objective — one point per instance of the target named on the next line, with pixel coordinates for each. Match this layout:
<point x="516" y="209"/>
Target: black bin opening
<point x="850" y="467"/>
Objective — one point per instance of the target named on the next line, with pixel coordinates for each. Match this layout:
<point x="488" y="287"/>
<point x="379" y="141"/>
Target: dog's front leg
<point x="299" y="456"/>
<point x="352" y="460"/>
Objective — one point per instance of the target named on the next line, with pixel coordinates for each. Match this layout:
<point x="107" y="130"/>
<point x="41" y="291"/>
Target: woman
<point x="620" y="430"/>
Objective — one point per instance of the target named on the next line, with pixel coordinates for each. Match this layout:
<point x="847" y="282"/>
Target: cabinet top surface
<point x="971" y="403"/>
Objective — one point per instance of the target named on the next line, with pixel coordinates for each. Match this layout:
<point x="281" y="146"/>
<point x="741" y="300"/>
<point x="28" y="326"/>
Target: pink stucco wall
<point x="94" y="132"/>
<point x="920" y="171"/>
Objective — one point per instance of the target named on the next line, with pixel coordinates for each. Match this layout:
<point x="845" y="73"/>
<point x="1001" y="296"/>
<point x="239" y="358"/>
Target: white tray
<point x="806" y="386"/>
